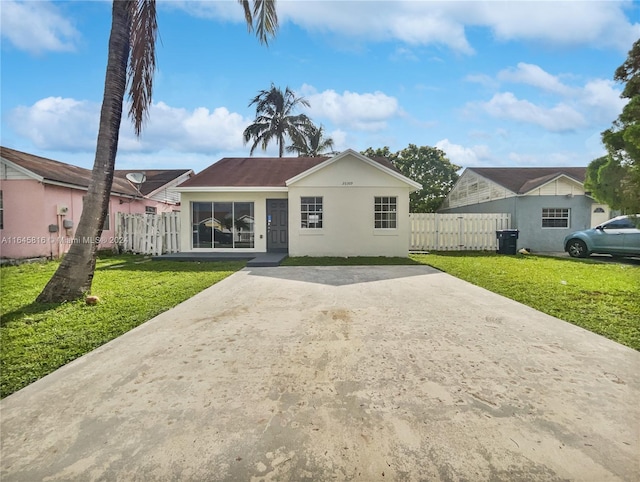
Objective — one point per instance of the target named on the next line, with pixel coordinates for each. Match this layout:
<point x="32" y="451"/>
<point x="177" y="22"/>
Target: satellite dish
<point x="136" y="177"/>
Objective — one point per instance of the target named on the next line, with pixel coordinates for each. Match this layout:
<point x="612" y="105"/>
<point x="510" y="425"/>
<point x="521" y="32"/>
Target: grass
<point x="37" y="338"/>
<point x="601" y="297"/>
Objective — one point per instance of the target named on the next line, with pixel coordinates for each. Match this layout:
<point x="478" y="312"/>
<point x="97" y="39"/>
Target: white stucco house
<point x="346" y="205"/>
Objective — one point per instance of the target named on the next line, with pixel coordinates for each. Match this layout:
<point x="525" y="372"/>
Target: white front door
<point x="599" y="214"/>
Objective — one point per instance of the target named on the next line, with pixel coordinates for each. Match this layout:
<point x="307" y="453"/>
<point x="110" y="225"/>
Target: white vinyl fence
<point x="148" y="233"/>
<point x="456" y="232"/>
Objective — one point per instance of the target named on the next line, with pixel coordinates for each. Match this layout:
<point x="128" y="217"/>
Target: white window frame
<point x="316" y="212"/>
<point x="150" y="210"/>
<point x="549" y="214"/>
<point x="385" y="211"/>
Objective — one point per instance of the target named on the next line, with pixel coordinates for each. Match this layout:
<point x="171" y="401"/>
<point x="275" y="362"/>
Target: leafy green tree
<point x="426" y="165"/>
<point x="275" y="119"/>
<point x="605" y="180"/>
<point x="311" y="142"/>
<point x="622" y="141"/>
<point x="130" y="60"/>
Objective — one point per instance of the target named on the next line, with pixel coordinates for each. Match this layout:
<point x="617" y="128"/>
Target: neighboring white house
<point x="346" y="205"/>
<point x="545" y="203"/>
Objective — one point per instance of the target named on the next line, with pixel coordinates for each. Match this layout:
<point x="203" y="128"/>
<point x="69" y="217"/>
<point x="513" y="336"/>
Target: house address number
<point x="347" y="183"/>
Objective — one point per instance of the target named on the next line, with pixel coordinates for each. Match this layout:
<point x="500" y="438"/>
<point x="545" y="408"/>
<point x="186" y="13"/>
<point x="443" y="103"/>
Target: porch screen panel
<point x="223" y="225"/>
<point x="201" y="222"/>
<point x="243" y="225"/>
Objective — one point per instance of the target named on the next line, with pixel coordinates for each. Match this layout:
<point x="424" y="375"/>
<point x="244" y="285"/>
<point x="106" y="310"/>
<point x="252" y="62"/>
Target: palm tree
<point x="131" y="60"/>
<point x="275" y="119"/>
<point x="311" y="142"/>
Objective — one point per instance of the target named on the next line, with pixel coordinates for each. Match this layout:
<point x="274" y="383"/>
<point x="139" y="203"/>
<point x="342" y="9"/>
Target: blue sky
<point x="490" y="83"/>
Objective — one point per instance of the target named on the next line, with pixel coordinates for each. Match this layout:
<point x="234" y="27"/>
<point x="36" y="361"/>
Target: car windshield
<point x="630" y="222"/>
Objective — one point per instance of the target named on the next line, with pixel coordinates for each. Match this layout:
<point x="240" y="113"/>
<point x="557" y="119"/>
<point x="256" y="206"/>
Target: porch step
<point x="265" y="260"/>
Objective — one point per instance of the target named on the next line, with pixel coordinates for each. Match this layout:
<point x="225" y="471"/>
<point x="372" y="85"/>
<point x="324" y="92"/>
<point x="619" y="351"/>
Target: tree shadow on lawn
<point x="32" y="309"/>
<point x="147" y="265"/>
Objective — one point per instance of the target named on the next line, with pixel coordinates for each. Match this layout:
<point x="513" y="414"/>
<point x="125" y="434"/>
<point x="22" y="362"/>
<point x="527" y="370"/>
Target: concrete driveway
<point x="335" y="373"/>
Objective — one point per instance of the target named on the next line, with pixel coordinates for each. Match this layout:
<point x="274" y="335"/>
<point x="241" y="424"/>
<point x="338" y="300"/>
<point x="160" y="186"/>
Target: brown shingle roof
<point x="258" y="171"/>
<point x="523" y="179"/>
<point x="252" y="171"/>
<point x="57" y="171"/>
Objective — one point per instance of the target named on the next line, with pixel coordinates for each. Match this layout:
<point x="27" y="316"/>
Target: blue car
<point x="619" y="237"/>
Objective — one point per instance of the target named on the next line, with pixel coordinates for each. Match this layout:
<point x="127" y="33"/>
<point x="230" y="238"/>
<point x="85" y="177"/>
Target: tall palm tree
<point x="312" y="142"/>
<point x="131" y="60"/>
<point x="275" y="119"/>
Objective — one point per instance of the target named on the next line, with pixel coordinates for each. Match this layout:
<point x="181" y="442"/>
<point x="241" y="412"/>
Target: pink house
<point x="41" y="202"/>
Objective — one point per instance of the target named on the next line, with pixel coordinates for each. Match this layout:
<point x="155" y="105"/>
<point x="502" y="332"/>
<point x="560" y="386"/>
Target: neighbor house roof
<point x="521" y="180"/>
<point x="48" y="170"/>
<point x="259" y="171"/>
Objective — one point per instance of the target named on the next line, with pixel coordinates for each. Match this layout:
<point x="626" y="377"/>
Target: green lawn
<point x="600" y="297"/>
<point x="37" y="338"/>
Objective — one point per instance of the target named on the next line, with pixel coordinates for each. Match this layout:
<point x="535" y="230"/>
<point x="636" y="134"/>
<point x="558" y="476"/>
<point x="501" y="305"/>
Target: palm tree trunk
<point x="74" y="276"/>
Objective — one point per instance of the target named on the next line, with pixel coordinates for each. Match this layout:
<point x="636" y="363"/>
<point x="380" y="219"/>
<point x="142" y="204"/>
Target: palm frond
<point x="142" y="60"/>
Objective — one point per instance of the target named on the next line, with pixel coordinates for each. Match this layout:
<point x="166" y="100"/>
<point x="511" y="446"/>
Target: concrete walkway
<point x="335" y="373"/>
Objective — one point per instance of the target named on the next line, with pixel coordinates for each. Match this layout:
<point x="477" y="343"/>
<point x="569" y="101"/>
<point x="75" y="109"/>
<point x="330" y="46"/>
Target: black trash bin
<point x="507" y="241"/>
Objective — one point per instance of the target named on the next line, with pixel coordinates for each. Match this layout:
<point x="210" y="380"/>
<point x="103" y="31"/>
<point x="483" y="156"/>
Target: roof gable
<point x="380" y="164"/>
<point x="521" y="180"/>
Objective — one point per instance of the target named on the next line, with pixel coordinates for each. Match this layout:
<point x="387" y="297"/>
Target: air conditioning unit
<point x="62" y="209"/>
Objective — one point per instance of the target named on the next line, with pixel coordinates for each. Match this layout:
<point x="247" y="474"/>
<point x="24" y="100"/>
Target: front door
<point x="277" y="225"/>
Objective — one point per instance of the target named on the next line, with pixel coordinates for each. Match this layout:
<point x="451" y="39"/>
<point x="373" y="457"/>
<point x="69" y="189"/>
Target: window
<point x="1" y="212"/>
<point x="106" y="225"/>
<point x="150" y="210"/>
<point x="384" y="216"/>
<point x="311" y="212"/>
<point x="555" y="217"/>
<point x="222" y="225"/>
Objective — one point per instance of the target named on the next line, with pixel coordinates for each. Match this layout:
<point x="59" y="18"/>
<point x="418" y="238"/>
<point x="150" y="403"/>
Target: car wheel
<point x="577" y="249"/>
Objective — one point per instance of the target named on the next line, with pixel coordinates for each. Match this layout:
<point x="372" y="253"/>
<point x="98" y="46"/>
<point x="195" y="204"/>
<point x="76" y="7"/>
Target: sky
<point x="492" y="84"/>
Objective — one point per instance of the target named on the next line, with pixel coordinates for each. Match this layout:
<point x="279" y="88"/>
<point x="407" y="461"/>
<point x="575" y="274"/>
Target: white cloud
<point x="534" y="75"/>
<point x="463" y="156"/>
<point x="600" y="24"/>
<point x="58" y="124"/>
<point x="603" y="100"/>
<point x="67" y="124"/>
<point x="559" y="118"/>
<point x="182" y="130"/>
<point x="366" y="112"/>
<point x="37" y="27"/>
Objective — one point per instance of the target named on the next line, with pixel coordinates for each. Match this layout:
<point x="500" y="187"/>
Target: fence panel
<point x="148" y="233"/>
<point x="456" y="232"/>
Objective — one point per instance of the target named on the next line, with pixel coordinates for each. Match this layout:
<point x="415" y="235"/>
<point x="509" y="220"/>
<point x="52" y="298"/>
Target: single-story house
<point x="41" y="202"/>
<point x="545" y="203"/>
<point x="345" y="205"/>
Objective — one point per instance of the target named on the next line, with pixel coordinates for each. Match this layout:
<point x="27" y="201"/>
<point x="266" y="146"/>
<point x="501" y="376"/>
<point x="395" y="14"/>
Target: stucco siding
<point x="31" y="206"/>
<point x="348" y="223"/>
<point x="526" y="216"/>
<point x="260" y="216"/>
<point x="528" y="220"/>
<point x="25" y="230"/>
<point x="348" y="188"/>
